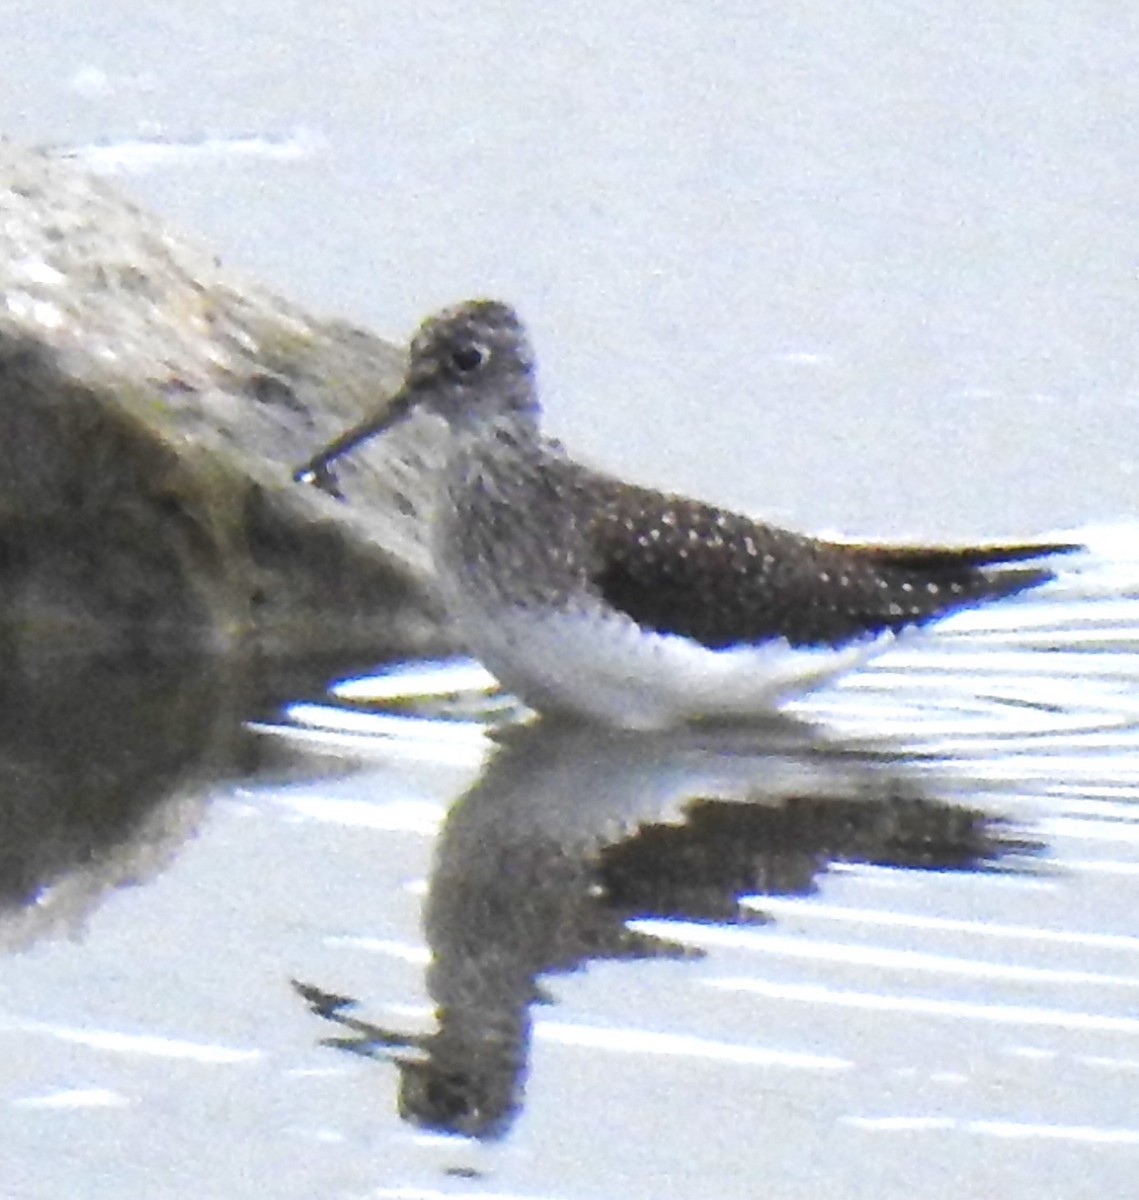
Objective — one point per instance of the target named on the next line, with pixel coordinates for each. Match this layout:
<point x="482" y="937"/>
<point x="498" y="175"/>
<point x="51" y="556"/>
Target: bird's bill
<point x="317" y="469"/>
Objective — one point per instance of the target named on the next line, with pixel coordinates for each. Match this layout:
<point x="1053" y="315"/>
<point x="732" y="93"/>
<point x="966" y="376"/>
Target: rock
<point x="152" y="408"/>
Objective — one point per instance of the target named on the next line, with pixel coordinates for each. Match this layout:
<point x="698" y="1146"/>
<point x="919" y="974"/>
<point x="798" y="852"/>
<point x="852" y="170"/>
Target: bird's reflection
<point x="571" y="831"/>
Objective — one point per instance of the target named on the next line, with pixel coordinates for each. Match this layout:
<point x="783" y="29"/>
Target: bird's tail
<point x="988" y="571"/>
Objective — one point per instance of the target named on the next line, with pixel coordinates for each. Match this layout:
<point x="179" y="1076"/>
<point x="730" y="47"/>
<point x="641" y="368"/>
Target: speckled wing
<point x="680" y="566"/>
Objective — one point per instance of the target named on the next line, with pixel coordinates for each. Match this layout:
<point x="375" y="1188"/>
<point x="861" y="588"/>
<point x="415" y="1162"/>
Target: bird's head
<point x="470" y="365"/>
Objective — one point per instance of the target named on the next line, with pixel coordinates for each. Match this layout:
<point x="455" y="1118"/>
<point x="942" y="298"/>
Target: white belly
<point x="609" y="670"/>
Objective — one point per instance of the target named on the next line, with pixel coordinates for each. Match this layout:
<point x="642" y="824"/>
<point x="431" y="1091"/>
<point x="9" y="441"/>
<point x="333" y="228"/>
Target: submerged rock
<point x="152" y="408"/>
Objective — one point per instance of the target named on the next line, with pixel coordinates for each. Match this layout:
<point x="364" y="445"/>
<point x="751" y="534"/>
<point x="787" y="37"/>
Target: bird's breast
<point x="509" y="532"/>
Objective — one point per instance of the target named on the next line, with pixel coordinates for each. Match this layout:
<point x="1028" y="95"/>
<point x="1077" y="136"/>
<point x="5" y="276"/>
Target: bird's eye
<point x="468" y="358"/>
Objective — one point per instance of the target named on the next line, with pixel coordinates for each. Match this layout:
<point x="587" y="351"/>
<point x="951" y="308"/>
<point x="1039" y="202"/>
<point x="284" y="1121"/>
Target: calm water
<point x="866" y="269"/>
<point x="362" y="948"/>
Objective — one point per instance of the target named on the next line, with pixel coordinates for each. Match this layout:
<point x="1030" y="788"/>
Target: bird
<point x="604" y="601"/>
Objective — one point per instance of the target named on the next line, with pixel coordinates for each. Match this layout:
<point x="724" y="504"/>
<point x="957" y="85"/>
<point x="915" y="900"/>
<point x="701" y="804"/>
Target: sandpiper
<point x="589" y="596"/>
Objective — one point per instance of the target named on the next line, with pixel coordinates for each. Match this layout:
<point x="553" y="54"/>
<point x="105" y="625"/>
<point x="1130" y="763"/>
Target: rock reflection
<point x="88" y="750"/>
<point x="572" y="831"/>
<point x="104" y="764"/>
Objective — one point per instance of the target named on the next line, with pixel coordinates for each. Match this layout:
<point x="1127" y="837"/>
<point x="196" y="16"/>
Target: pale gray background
<point x="863" y="267"/>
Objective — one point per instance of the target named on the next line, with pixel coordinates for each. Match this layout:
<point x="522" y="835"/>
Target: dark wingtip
<point x="995" y="555"/>
<point x="1009" y="583"/>
<point x="943" y="557"/>
<point x="987" y="572"/>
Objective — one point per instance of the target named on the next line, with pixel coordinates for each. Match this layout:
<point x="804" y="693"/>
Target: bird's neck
<point x="516" y="430"/>
<point x="501" y="454"/>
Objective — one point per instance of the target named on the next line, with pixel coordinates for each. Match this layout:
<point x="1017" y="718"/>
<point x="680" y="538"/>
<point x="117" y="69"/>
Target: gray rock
<point x="152" y="408"/>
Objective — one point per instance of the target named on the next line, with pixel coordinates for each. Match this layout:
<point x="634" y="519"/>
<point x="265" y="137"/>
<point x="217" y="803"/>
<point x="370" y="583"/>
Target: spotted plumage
<point x="723" y="579"/>
<point x="615" y="602"/>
